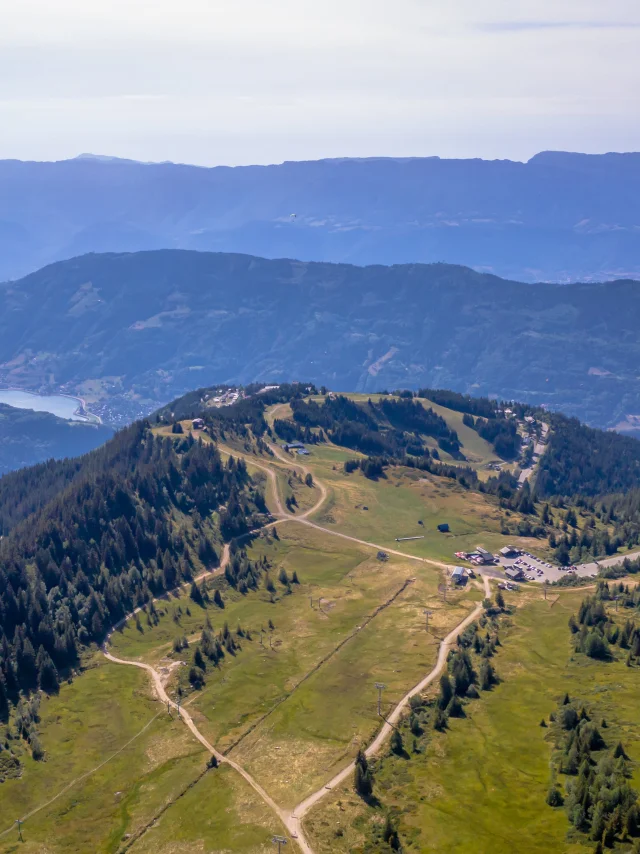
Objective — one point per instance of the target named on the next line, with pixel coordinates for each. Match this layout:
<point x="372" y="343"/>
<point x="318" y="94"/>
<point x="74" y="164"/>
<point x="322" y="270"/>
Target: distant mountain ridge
<point x="558" y="217"/>
<point x="149" y="326"/>
<point x="28" y="437"/>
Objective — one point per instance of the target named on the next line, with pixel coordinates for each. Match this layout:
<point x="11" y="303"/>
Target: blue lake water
<point x="56" y="404"/>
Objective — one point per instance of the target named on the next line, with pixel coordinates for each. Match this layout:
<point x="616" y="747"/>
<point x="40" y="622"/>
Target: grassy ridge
<point x="316" y="685"/>
<point x="397" y="503"/>
<point x="481" y="787"/>
<point x="221" y="813"/>
<point x="88" y="722"/>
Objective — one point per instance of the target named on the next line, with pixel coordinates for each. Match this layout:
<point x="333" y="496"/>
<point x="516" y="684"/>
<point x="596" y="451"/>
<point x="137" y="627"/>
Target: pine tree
<point x="619" y="751"/>
<point x="217" y="598"/>
<point x="609" y="836"/>
<point x="446" y="691"/>
<point x="4" y="704"/>
<point x="361" y="759"/>
<point x="47" y="673"/>
<point x="554" y="797"/>
<point x="397" y="745"/>
<point x="26" y="661"/>
<point x="632" y="821"/>
<point x="414" y="724"/>
<point x="598" y="821"/>
<point x="487" y="675"/>
<point x="455" y="708"/>
<point x="363" y="776"/>
<point x="390" y="835"/>
<point x="440" y="720"/>
<point x="195" y="594"/>
<point x="500" y="600"/>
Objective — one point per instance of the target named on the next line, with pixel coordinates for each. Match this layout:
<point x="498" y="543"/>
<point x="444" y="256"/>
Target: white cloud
<point x="234" y="81"/>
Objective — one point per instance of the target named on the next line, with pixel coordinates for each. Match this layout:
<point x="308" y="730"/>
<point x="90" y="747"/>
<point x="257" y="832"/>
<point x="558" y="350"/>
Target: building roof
<point x="513" y="572"/>
<point x="482" y="551"/>
<point x="458" y="571"/>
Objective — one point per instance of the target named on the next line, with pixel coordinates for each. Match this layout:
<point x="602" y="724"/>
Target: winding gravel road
<point x="292" y="820"/>
<point x="295" y="817"/>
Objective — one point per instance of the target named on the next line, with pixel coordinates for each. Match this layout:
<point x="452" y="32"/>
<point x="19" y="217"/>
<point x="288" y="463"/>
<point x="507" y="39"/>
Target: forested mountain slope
<point x="107" y="533"/>
<point x="558" y="217"/>
<point x="155" y="324"/>
<point x="28" y="437"/>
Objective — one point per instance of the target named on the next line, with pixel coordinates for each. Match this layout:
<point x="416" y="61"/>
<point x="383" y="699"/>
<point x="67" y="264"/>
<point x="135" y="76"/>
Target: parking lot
<point x="535" y="569"/>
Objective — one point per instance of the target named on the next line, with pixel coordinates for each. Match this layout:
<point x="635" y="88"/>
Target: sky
<point x="249" y="81"/>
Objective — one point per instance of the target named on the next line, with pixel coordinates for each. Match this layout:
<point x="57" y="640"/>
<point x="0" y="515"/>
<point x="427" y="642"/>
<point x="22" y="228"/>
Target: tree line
<point x="390" y="427"/>
<point x="583" y="461"/>
<point x="469" y="671"/>
<point x="109" y="542"/>
<point x="596" y="630"/>
<point x="598" y="798"/>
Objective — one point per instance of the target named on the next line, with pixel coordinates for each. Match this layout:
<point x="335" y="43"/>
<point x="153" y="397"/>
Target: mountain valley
<point x="128" y="332"/>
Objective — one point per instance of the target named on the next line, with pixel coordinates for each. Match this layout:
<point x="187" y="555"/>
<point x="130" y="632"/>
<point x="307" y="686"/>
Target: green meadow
<point x="299" y="702"/>
<point x="409" y="503"/>
<point x="113" y="756"/>
<point x="481" y="786"/>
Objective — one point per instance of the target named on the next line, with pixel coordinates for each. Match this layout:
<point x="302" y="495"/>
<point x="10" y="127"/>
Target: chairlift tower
<point x="279" y="841"/>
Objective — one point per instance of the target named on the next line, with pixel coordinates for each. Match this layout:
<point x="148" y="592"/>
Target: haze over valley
<point x="320" y="427"/>
<point x="559" y="217"/>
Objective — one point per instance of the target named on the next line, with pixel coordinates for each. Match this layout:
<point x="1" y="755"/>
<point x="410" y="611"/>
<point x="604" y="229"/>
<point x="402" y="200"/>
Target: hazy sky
<point x="261" y="81"/>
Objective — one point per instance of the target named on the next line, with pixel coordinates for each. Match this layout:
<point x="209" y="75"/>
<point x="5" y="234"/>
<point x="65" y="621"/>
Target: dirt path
<point x="186" y="717"/>
<point x="311" y="524"/>
<point x="159" y="686"/>
<point x="303" y="518"/>
<point x="281" y="513"/>
<point x="293" y="820"/>
<point x="305" y="471"/>
<point x="295" y="817"/>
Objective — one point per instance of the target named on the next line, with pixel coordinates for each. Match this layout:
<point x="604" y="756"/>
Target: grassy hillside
<point x="272" y="596"/>
<point x="28" y="437"/>
<point x="406" y="503"/>
<point x="293" y="709"/>
<point x="152" y="325"/>
<point x="481" y="786"/>
<point x="115" y="760"/>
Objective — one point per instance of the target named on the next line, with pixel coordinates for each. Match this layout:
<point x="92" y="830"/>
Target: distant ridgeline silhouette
<point x="559" y="217"/>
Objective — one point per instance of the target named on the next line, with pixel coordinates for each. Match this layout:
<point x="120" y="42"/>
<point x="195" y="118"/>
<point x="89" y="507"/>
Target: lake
<point x="56" y="404"/>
